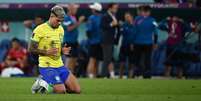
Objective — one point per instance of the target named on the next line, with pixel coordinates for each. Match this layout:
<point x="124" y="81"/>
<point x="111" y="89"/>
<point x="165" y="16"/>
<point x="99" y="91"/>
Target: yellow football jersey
<point x="48" y="37"/>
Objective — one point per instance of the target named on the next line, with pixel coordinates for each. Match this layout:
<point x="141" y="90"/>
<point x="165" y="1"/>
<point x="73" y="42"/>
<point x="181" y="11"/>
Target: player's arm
<point x="155" y="35"/>
<point x="73" y="26"/>
<point x="66" y="50"/>
<point x="33" y="48"/>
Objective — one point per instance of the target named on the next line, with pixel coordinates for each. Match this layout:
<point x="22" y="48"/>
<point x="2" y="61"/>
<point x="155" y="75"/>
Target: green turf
<point x="18" y="89"/>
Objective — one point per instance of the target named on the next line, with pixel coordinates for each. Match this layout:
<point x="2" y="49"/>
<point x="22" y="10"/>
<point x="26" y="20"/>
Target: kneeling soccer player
<point x="47" y="43"/>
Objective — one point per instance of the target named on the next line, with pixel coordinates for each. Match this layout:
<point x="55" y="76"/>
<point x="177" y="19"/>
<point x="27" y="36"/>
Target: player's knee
<point x="59" y="90"/>
<point x="76" y="90"/>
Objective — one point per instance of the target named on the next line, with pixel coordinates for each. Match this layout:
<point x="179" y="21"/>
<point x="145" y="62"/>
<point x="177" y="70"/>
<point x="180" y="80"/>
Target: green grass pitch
<point x="18" y="89"/>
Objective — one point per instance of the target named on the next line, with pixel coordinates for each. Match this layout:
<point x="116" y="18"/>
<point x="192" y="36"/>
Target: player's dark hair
<point x="39" y="16"/>
<point x="128" y="13"/>
<point x="110" y="5"/>
<point x="144" y="8"/>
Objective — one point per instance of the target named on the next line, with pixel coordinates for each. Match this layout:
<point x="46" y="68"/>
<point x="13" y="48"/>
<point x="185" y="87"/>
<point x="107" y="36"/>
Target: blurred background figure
<point x="32" y="24"/>
<point x="109" y="25"/>
<point x="16" y="57"/>
<point x="71" y="25"/>
<point x="145" y="40"/>
<point x="127" y="30"/>
<point x="95" y="39"/>
<point x="176" y="29"/>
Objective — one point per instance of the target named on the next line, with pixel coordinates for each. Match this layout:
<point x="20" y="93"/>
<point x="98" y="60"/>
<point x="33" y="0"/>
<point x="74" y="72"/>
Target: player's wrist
<point x="43" y="52"/>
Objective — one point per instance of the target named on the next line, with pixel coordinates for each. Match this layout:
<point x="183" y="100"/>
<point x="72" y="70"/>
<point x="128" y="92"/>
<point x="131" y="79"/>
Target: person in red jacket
<point x="16" y="56"/>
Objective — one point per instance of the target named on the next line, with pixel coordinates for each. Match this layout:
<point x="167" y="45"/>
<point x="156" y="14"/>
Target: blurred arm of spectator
<point x="8" y="60"/>
<point x="73" y="26"/>
<point x="155" y="46"/>
<point x="163" y="25"/>
<point x="114" y="23"/>
<point x="23" y="59"/>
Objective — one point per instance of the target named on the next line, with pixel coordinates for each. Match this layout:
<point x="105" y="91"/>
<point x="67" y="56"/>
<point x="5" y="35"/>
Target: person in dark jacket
<point x="127" y="31"/>
<point x="109" y="26"/>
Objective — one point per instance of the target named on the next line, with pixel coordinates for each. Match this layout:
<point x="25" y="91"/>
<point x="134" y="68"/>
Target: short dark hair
<point x="110" y="5"/>
<point x="39" y="16"/>
<point x="144" y="8"/>
<point x="128" y="13"/>
<point x="15" y="40"/>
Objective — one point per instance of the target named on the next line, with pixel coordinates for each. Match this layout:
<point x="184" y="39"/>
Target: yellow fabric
<point x="48" y="38"/>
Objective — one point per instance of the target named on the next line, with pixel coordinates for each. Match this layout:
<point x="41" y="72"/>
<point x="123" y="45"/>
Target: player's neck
<point x="50" y="24"/>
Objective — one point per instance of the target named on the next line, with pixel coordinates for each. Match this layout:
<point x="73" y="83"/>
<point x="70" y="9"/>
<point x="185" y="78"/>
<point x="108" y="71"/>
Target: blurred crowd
<point x="137" y="36"/>
<point x="186" y="3"/>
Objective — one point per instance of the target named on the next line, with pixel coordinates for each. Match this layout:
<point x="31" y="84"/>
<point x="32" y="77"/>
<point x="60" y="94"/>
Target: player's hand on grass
<point x="66" y="50"/>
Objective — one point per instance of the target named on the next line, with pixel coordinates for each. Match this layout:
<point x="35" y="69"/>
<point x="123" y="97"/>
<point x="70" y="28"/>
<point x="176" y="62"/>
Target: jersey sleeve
<point x="37" y="34"/>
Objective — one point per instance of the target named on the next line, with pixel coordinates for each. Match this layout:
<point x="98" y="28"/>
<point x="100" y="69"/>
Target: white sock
<point x="112" y="74"/>
<point x="91" y="75"/>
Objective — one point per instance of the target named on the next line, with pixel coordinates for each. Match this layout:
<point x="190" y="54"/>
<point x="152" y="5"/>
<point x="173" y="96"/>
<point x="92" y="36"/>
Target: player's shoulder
<point x="91" y="17"/>
<point x="61" y="29"/>
<point x="151" y="18"/>
<point x="138" y="17"/>
<point x="40" y="27"/>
